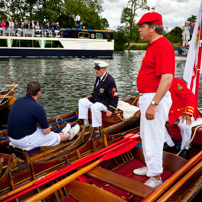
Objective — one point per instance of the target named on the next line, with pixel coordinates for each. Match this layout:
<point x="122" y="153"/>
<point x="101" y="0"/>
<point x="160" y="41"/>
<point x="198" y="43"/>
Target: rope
<point x="120" y="117"/>
<point x="190" y="140"/>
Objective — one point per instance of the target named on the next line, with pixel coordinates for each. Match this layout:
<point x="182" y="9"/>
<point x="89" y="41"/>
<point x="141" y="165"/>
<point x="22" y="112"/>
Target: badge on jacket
<point x="102" y="90"/>
<point x="115" y="92"/>
<point x="179" y="87"/>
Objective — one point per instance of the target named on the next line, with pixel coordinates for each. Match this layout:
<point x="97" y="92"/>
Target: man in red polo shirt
<point x="153" y="81"/>
<point x="184" y="109"/>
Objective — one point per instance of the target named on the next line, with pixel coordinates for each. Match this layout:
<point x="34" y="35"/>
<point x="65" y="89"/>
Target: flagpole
<point x="198" y="68"/>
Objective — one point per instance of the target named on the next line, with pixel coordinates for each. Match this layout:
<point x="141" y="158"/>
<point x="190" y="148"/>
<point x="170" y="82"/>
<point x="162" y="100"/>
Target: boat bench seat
<point x="134" y="187"/>
<point x="116" y="117"/>
<point x="28" y="150"/>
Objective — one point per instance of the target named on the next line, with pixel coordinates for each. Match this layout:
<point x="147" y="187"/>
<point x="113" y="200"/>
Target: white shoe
<point x="73" y="131"/>
<point x="66" y="129"/>
<point x="140" y="171"/>
<point x="152" y="182"/>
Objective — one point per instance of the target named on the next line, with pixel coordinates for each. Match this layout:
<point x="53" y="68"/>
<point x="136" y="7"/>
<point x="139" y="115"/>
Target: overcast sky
<point x="174" y="12"/>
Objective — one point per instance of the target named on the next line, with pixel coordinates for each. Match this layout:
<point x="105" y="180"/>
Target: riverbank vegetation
<point x="63" y="12"/>
<point x="129" y="30"/>
<point x="126" y="35"/>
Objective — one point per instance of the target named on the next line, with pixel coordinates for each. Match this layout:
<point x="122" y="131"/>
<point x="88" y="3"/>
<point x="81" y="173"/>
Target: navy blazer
<point x="105" y="93"/>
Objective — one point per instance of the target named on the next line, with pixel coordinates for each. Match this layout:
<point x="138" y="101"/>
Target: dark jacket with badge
<point x="183" y="99"/>
<point x="105" y="92"/>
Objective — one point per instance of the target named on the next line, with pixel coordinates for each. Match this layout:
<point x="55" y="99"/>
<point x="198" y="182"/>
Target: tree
<point x="63" y="12"/>
<point x="175" y="35"/>
<point x="105" y="23"/>
<point x="128" y="16"/>
<point x="192" y="18"/>
<point x="89" y="11"/>
<point x="120" y="38"/>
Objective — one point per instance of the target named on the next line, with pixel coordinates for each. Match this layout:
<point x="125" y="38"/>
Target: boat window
<point x="99" y="36"/>
<point x="3" y="42"/>
<point x="52" y="44"/>
<point x="15" y="43"/>
<point x="25" y="43"/>
<point x="83" y="35"/>
<point x="92" y="35"/>
<point x="37" y="43"/>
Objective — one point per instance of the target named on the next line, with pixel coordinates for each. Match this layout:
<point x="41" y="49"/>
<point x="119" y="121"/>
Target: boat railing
<point x="19" y="32"/>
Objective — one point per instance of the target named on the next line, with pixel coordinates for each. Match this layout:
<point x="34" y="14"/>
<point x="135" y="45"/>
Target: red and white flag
<point x="193" y="63"/>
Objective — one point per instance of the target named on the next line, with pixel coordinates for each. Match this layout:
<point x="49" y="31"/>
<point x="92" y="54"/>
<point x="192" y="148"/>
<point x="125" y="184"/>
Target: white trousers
<point x="152" y="132"/>
<point x="96" y="109"/>
<point x="185" y="131"/>
<point x="37" y="139"/>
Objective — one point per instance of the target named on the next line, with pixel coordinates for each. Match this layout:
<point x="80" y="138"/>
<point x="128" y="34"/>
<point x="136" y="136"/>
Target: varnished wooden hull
<point x="114" y="180"/>
<point x="16" y="172"/>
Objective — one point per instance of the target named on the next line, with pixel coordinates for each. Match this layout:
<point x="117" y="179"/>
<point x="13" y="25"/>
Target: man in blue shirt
<point x="24" y="116"/>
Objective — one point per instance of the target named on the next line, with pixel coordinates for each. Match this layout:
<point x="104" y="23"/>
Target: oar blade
<point x="127" y="146"/>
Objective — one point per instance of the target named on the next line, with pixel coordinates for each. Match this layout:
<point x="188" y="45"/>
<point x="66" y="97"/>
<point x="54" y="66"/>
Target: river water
<point x="65" y="80"/>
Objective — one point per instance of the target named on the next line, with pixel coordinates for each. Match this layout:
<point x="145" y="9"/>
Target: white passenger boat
<point x="55" y="43"/>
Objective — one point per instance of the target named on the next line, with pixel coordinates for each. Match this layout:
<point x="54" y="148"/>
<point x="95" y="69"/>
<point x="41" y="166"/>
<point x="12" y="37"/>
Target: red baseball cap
<point x="152" y="17"/>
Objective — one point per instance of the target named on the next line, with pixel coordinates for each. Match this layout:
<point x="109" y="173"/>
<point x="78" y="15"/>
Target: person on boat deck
<point x="78" y="18"/>
<point x="153" y="82"/>
<point x="104" y="97"/>
<point x="183" y="109"/>
<point x="179" y="50"/>
<point x="47" y="26"/>
<point x="24" y="116"/>
<point x="185" y="34"/>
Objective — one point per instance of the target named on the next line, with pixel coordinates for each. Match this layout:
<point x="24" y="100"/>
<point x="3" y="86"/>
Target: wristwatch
<point x="154" y="103"/>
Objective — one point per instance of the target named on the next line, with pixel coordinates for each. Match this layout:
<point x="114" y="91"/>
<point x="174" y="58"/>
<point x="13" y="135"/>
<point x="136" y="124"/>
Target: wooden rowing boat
<point x="113" y="179"/>
<point x="7" y="96"/>
<point x="15" y="171"/>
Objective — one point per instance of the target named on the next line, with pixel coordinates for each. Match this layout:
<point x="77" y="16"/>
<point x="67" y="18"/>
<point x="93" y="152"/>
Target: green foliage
<point x="175" y="35"/>
<point x="120" y="38"/>
<point x="192" y="18"/>
<point x="138" y="47"/>
<point x="63" y="12"/>
<point x="128" y="17"/>
<point x="105" y="24"/>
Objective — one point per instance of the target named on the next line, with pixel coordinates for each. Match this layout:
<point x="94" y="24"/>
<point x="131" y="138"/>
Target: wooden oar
<point x="88" y="158"/>
<point x="75" y="165"/>
<point x="23" y="187"/>
<point x="169" y="182"/>
<point x="179" y="184"/>
<point x="115" y="152"/>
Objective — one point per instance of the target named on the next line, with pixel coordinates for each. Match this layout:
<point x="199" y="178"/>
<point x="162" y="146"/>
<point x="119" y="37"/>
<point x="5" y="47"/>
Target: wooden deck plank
<point x="119" y="181"/>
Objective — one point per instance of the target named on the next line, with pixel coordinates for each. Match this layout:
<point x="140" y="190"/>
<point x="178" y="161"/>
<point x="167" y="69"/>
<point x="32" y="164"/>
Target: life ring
<point x="83" y="45"/>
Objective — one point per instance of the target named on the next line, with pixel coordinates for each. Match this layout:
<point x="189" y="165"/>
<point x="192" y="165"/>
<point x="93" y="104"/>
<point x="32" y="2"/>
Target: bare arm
<point x="163" y="87"/>
<point x="46" y="131"/>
